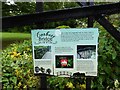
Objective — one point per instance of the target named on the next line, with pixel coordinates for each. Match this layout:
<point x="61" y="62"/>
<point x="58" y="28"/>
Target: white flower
<point x="25" y="55"/>
<point x="10" y="2"/>
<point x="116" y="83"/>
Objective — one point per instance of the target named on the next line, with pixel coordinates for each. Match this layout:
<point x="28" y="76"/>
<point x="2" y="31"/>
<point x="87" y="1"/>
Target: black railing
<point x="60" y="15"/>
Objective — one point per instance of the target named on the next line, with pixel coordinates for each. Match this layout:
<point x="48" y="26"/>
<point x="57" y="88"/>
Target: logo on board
<point x="45" y="38"/>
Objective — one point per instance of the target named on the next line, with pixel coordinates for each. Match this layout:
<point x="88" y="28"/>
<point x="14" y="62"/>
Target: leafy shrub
<point x="108" y="62"/>
<point x="63" y="26"/>
<point x="65" y="83"/>
<point x="17" y="67"/>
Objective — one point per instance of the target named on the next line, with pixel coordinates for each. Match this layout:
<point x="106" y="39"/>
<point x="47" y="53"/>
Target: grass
<point x="7" y="38"/>
<point x="11" y="36"/>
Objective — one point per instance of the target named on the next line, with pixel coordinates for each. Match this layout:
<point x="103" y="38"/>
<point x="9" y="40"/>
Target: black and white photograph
<point x="42" y="52"/>
<point x="86" y="51"/>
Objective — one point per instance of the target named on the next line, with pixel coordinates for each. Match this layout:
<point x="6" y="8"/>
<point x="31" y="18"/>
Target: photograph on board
<point x="86" y="51"/>
<point x="64" y="61"/>
<point x="42" y="52"/>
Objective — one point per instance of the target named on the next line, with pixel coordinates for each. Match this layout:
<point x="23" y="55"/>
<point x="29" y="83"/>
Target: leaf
<point x="9" y="87"/>
<point x="14" y="80"/>
<point x="107" y="69"/>
<point x="5" y="80"/>
<point x="7" y="75"/>
<point x="114" y="54"/>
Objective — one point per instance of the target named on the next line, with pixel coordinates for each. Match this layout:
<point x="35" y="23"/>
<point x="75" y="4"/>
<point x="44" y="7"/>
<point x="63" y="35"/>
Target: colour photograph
<point x="64" y="61"/>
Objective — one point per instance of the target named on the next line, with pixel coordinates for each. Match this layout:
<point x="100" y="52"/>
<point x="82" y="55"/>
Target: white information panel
<point x="62" y="52"/>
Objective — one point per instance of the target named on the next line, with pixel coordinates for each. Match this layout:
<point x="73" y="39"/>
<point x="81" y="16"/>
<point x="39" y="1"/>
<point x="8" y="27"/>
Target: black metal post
<point x="90" y="18"/>
<point x="43" y="82"/>
<point x="39" y="6"/>
<point x="39" y="9"/>
<point x="1" y="86"/>
<point x="88" y="83"/>
<point x="90" y="24"/>
<point x="43" y="77"/>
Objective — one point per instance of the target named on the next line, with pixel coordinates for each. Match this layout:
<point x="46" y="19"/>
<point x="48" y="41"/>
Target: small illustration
<point x="64" y="61"/>
<point x="42" y="70"/>
<point x="86" y="51"/>
<point x="42" y="52"/>
<point x="67" y="73"/>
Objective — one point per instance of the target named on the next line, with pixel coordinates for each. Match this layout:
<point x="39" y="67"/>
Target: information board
<point x="63" y="52"/>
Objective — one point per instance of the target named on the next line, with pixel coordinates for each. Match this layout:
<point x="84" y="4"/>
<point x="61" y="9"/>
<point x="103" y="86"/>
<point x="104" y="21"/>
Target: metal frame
<point x="60" y="15"/>
<point x="97" y="12"/>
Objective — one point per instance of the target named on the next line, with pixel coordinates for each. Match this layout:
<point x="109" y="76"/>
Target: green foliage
<point x="64" y="83"/>
<point x="63" y="26"/>
<point x="48" y="6"/>
<point x="17" y="67"/>
<point x="108" y="61"/>
<point x="19" y="8"/>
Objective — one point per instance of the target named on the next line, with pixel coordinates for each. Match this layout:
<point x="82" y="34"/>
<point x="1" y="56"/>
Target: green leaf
<point x="107" y="69"/>
<point x="7" y="75"/>
<point x="14" y="80"/>
<point x="114" y="54"/>
<point x="9" y="87"/>
<point x="5" y="80"/>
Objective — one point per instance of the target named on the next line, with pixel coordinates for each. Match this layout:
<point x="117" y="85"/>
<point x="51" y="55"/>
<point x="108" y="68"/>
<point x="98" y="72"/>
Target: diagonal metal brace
<point x="108" y="26"/>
